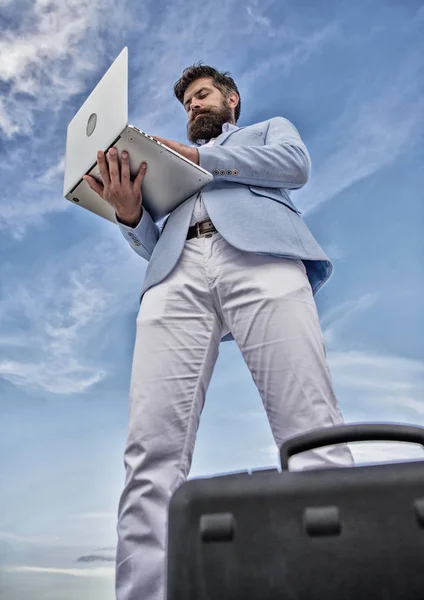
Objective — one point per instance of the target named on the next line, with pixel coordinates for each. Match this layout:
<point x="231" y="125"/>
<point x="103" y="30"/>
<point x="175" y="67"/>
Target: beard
<point x="208" y="124"/>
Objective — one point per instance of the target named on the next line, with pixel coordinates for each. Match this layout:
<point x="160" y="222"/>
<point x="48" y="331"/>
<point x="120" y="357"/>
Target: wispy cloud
<point x="382" y="387"/>
<point x="381" y="452"/>
<point x="53" y="173"/>
<point x="293" y="45"/>
<point x="254" y="12"/>
<point x="101" y="555"/>
<point x="57" y="47"/>
<point x="31" y="206"/>
<point x="387" y="372"/>
<point x="271" y="451"/>
<point x="71" y="572"/>
<point x="368" y="452"/>
<point x="9" y="536"/>
<point x="296" y="47"/>
<point x="47" y="58"/>
<point x="44" y="61"/>
<point x="334" y="320"/>
<point x="95" y="515"/>
<point x="375" y="129"/>
<point x="51" y="320"/>
<point x="56" y="367"/>
<point x="90" y="558"/>
<point x="376" y="388"/>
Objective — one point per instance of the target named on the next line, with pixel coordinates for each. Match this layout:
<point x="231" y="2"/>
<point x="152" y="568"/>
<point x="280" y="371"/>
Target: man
<point x="236" y="262"/>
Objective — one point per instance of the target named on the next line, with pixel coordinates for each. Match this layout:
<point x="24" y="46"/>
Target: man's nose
<point x="195" y="105"/>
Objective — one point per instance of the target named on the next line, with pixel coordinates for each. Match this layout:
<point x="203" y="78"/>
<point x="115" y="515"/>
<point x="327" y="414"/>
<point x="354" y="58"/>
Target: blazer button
<point x="235" y="172"/>
<point x="229" y="172"/>
<point x="222" y="172"/>
<point x="215" y="172"/>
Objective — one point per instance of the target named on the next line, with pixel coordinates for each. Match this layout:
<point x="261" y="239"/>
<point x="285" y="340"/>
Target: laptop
<point x="102" y="122"/>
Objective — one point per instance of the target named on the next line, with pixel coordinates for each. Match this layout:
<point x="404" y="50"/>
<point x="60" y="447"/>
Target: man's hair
<point x="222" y="81"/>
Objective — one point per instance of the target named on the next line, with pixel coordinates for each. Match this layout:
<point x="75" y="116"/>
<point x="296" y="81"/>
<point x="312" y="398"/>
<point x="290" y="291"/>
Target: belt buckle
<point x="198" y="234"/>
<point x="206" y="234"/>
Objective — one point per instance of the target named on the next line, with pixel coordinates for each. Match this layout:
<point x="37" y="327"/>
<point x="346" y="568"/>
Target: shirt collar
<point x="225" y="129"/>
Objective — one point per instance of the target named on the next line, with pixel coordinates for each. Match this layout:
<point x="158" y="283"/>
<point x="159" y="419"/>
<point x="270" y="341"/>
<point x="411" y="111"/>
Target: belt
<point x="202" y="229"/>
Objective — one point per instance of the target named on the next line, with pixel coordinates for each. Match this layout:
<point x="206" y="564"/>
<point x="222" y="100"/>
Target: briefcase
<point x="326" y="534"/>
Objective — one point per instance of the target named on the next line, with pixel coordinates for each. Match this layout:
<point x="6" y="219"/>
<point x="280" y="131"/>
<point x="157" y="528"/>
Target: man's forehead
<point x="195" y="86"/>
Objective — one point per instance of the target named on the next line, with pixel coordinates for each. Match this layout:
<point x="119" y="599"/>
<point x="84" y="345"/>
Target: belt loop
<point x="197" y="229"/>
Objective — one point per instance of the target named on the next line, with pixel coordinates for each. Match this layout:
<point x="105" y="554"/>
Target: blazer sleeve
<point x="143" y="237"/>
<point x="282" y="162"/>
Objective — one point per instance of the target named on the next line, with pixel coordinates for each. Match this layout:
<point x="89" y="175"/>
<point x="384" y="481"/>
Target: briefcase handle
<point x="361" y="432"/>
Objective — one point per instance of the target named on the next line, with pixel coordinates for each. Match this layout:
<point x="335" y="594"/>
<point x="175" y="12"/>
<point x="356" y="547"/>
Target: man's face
<point x="207" y="110"/>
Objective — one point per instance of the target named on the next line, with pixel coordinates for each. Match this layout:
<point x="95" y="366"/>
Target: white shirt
<point x="200" y="213"/>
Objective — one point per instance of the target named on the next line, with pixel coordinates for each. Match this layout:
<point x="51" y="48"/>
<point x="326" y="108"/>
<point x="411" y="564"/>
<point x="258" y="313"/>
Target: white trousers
<point x="267" y="304"/>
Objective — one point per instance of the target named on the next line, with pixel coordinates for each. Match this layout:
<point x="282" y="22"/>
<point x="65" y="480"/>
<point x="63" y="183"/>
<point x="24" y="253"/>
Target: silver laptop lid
<point x="98" y="123"/>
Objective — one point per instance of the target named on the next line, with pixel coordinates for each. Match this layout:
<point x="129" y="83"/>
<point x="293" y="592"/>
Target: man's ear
<point x="235" y="98"/>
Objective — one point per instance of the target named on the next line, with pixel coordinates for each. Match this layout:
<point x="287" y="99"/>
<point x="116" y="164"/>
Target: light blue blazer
<point x="254" y="169"/>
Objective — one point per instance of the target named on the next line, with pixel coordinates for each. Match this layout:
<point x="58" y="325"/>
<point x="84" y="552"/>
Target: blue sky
<point x="350" y="76"/>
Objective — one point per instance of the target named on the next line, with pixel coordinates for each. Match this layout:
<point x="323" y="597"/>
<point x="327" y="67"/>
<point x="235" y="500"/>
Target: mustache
<point x="201" y="113"/>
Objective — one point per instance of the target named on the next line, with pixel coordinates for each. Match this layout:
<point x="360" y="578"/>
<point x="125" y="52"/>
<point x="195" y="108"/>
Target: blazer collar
<point x="224" y="136"/>
<point x="227" y="130"/>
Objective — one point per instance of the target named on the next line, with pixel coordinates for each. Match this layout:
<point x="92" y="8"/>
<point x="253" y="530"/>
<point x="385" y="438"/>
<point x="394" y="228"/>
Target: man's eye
<point x="200" y="97"/>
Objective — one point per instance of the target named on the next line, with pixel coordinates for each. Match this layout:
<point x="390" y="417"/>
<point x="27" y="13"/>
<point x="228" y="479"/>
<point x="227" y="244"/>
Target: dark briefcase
<point x="328" y="534"/>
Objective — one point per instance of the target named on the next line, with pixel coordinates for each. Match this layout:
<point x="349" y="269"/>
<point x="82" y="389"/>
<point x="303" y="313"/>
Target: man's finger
<point x="125" y="169"/>
<point x="113" y="166"/>
<point x="103" y="168"/>
<point x="140" y="175"/>
<point x="94" y="184"/>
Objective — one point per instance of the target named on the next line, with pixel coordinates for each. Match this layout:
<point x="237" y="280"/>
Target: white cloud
<point x="297" y="47"/>
<point x="271" y="451"/>
<point x="377" y="388"/>
<point x="56" y="366"/>
<point x="53" y="172"/>
<point x="29" y="209"/>
<point x="57" y="47"/>
<point x="366" y="452"/>
<point x="420" y="14"/>
<point x="337" y="318"/>
<point x="54" y="317"/>
<point x="388" y="363"/>
<point x="44" y="58"/>
<point x="95" y="516"/>
<point x="258" y="18"/>
<point x="381" y="387"/>
<point x="336" y="251"/>
<point x="390" y="382"/>
<point x="66" y="377"/>
<point x="292" y="46"/>
<point x="72" y="572"/>
<point x="7" y="124"/>
<point x="382" y="452"/>
<point x="8" y="536"/>
<point x="373" y="131"/>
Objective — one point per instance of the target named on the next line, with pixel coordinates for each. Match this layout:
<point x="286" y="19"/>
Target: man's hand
<point x="186" y="151"/>
<point x="117" y="189"/>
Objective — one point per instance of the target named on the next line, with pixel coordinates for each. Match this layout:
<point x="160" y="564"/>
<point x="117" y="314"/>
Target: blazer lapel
<point x="224" y="136"/>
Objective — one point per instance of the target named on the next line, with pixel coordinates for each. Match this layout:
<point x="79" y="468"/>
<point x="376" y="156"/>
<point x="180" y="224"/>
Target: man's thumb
<point x="93" y="184"/>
